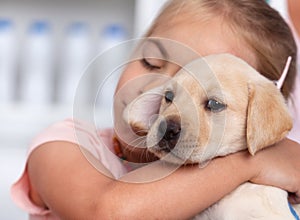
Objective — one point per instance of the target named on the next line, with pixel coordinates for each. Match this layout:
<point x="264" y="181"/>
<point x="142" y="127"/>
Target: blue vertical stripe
<point x="293" y="212"/>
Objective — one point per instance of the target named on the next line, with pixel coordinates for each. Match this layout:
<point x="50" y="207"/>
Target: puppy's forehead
<point x="224" y="76"/>
<point x="226" y="66"/>
<point x="197" y="75"/>
<point x="185" y="83"/>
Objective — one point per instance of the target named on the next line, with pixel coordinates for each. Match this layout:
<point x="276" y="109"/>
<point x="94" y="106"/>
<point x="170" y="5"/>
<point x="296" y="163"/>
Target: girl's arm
<point x="65" y="182"/>
<point x="279" y="166"/>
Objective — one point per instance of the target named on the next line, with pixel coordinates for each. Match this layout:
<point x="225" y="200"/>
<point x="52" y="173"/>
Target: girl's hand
<point x="279" y="166"/>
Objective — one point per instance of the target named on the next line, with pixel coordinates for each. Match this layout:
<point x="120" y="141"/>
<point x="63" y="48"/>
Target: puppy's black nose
<point x="169" y="131"/>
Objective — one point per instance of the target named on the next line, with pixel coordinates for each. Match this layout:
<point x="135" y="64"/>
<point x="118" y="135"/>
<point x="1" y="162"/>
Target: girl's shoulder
<point x="97" y="142"/>
<point x="93" y="142"/>
<point x="78" y="132"/>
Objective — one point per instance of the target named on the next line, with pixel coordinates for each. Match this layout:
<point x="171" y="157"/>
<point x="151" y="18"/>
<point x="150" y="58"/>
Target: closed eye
<point x="149" y="65"/>
<point x="153" y="55"/>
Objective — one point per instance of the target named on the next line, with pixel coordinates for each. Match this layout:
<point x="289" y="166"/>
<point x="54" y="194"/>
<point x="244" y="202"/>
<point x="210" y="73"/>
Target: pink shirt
<point x="99" y="143"/>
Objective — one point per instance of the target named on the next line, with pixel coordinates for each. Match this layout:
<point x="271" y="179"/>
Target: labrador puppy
<point x="212" y="107"/>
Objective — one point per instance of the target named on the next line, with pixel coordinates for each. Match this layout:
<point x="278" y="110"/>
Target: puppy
<point x="215" y="106"/>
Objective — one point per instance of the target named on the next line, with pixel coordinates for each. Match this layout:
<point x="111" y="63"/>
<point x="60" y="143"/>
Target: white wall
<point x="145" y="12"/>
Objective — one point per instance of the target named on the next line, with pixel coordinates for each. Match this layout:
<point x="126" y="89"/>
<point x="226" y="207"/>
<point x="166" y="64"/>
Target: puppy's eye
<point x="169" y="96"/>
<point x="215" y="106"/>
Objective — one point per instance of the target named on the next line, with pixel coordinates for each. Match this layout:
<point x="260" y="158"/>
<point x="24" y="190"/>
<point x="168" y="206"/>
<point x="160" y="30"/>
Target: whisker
<point x="136" y="143"/>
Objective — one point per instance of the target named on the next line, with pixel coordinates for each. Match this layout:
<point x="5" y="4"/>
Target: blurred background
<point x="44" y="48"/>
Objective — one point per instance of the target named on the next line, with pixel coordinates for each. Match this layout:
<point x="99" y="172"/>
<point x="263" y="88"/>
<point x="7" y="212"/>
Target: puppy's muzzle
<point x="169" y="132"/>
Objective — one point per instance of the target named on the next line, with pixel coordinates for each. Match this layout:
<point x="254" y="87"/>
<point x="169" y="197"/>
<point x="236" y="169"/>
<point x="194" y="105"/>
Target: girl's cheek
<point x="131" y="71"/>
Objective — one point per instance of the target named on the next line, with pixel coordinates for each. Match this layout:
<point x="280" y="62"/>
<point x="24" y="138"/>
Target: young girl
<point x="60" y="183"/>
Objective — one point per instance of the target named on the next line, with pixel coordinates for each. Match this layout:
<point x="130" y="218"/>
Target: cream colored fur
<point x="255" y="117"/>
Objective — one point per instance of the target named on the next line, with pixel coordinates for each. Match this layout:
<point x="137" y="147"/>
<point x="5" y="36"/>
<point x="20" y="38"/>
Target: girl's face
<point x="161" y="56"/>
<point x="206" y="38"/>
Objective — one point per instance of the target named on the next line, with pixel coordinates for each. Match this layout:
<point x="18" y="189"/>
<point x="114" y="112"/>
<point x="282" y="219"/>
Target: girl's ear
<point x="268" y="119"/>
<point x="143" y="110"/>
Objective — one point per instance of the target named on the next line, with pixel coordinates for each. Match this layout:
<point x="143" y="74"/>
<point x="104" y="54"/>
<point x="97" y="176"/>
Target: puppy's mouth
<point x="169" y="157"/>
<point x="175" y="156"/>
<point x="165" y="140"/>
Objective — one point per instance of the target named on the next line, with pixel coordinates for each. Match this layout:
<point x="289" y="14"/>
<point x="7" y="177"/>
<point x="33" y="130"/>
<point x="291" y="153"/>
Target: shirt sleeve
<point x="77" y="132"/>
<point x="20" y="189"/>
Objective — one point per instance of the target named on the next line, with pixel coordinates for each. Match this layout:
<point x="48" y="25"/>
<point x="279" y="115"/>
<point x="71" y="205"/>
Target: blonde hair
<point x="259" y="26"/>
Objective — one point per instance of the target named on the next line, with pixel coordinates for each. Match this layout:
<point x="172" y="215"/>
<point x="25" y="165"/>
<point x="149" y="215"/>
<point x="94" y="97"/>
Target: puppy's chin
<point x="171" y="157"/>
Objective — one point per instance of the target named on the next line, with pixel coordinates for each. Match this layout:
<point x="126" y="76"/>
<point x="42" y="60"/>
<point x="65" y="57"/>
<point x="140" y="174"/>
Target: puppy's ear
<point x="268" y="120"/>
<point x="143" y="110"/>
